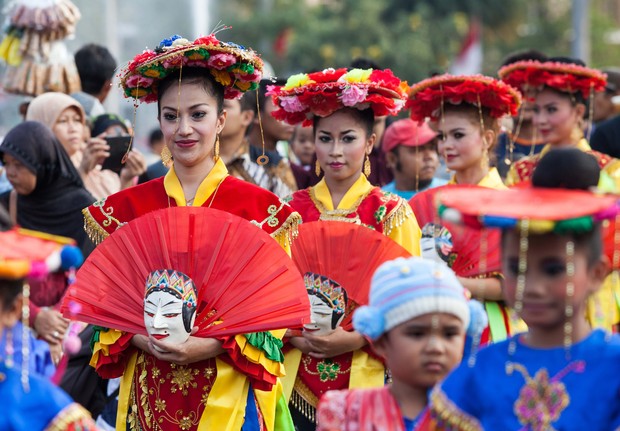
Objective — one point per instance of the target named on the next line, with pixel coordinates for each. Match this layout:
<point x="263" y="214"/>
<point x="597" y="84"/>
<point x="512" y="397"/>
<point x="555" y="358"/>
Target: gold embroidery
<point x="304" y="400"/>
<point x="449" y="414"/>
<point x="326" y="369"/>
<point x="397" y="216"/>
<point x="74" y="415"/>
<point x="94" y="230"/>
<point x="181" y="378"/>
<point x="339" y="214"/>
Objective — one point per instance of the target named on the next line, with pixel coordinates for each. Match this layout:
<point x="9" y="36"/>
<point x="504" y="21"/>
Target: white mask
<point x="163" y="317"/>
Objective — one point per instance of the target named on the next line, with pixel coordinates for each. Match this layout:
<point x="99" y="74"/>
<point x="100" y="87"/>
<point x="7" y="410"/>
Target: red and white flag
<point x="469" y="59"/>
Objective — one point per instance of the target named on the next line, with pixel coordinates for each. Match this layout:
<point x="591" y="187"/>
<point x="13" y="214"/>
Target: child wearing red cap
<point x="411" y="153"/>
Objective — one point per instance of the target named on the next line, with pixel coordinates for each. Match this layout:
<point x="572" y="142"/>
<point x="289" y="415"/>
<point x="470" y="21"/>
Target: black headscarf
<point x="55" y="205"/>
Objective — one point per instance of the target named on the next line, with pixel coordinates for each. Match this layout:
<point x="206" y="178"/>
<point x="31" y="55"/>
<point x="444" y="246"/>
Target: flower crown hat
<point x="236" y="68"/>
<point x="427" y="98"/>
<point x="306" y="95"/>
<point x="566" y="77"/>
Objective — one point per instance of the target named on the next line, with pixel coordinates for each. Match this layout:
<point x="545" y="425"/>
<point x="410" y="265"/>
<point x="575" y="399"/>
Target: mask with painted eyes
<point x="169" y="306"/>
<point x="328" y="301"/>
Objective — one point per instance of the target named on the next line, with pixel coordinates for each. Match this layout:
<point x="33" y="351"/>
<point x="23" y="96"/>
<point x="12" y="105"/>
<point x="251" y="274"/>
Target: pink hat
<point x="407" y="132"/>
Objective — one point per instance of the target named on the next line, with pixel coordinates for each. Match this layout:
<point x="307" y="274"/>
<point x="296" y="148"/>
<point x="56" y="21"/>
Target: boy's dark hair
<point x="570" y="168"/>
<point x="95" y="65"/>
<point x="366" y="117"/>
<point x="528" y="54"/>
<point x="155" y="135"/>
<point x="262" y="93"/>
<point x="193" y="75"/>
<point x="364" y="63"/>
<point x="9" y="291"/>
<point x="248" y="101"/>
<point x="566" y="168"/>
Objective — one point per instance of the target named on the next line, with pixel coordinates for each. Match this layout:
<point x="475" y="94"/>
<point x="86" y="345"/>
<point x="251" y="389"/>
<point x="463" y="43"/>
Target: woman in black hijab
<point x="55" y="204"/>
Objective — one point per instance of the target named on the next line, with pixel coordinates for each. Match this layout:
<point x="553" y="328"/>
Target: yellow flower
<point x="221" y="76"/>
<point x="243" y="85"/>
<point x="296" y="81"/>
<point x="138" y="92"/>
<point x="357" y="75"/>
<point x="152" y="73"/>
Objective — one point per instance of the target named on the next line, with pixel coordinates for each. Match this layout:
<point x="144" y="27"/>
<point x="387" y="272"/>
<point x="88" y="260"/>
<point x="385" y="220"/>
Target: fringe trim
<point x="304" y="401"/>
<point x="397" y="217"/>
<point x="448" y="415"/>
<point x="94" y="231"/>
<point x="72" y="417"/>
<point x="289" y="229"/>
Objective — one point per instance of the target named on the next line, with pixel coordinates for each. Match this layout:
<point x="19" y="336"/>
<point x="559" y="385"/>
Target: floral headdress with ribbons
<point x="531" y="210"/>
<point x="236" y="68"/>
<point x="566" y="77"/>
<point x="427" y="98"/>
<point x="306" y="95"/>
<point x="559" y="211"/>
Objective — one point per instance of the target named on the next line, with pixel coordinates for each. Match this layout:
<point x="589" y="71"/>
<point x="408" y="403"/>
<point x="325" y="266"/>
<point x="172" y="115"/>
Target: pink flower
<point x="138" y="81"/>
<point x="291" y="104"/>
<point x="353" y="94"/>
<point x="221" y="61"/>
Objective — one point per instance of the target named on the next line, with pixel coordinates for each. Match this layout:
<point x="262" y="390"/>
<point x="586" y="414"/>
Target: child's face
<point x="544" y="295"/>
<point x="303" y="145"/>
<point x="423" y="350"/>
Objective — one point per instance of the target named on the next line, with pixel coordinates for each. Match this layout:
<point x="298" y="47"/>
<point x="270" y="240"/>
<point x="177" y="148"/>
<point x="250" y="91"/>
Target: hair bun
<point x="369" y="322"/>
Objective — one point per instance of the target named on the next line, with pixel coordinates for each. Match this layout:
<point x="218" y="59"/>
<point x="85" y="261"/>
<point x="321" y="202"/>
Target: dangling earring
<point x="166" y="156"/>
<point x="317" y="168"/>
<point x="9" y="350"/>
<point x="216" y="150"/>
<point x="367" y="166"/>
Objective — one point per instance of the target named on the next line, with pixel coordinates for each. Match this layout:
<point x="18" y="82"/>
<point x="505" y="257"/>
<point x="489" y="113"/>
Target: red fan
<point x="611" y="241"/>
<point x="473" y="251"/>
<point x="245" y="281"/>
<point x="347" y="253"/>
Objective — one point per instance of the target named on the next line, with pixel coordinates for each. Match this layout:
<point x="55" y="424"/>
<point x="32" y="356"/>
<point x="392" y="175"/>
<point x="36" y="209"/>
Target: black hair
<point x="566" y="168"/>
<point x="366" y="117"/>
<point x="155" y="135"/>
<point x="528" y="54"/>
<point x="192" y="75"/>
<point x="262" y="93"/>
<point x="9" y="291"/>
<point x="570" y="168"/>
<point x="364" y="63"/>
<point x="95" y="65"/>
<point x="248" y="101"/>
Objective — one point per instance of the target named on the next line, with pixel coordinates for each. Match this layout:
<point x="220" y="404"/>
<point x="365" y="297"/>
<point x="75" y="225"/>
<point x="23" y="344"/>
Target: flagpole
<point x="580" y="46"/>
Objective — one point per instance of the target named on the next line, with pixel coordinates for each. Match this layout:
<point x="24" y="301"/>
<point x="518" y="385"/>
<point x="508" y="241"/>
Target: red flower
<point x="327" y="75"/>
<point x="141" y="59"/>
<point x="207" y="40"/>
<point x="386" y="78"/>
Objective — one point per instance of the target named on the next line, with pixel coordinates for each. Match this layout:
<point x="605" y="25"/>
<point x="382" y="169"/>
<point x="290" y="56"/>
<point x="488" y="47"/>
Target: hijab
<point x="47" y="107"/>
<point x="55" y="204"/>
